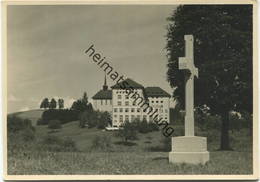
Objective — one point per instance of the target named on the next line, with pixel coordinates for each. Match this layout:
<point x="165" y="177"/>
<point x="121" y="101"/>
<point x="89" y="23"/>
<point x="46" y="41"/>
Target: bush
<point x="16" y="124"/>
<point x="54" y="124"/>
<point x="88" y="118"/>
<point x="64" y="115"/>
<point x="103" y="120"/>
<point x="128" y="131"/>
<point x="102" y="143"/>
<point x="206" y="121"/>
<point x="144" y="126"/>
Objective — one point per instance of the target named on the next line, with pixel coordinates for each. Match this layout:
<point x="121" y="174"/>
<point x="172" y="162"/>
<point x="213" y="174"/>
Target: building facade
<point x="102" y="100"/>
<point x="139" y="103"/>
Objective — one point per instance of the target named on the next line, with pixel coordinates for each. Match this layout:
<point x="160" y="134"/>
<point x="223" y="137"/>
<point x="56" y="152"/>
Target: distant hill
<point x="33" y="115"/>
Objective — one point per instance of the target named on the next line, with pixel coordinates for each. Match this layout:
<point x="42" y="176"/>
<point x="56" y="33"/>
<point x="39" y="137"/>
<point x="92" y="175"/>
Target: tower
<point x="105" y="87"/>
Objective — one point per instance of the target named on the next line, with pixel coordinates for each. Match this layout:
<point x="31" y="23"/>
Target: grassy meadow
<point x="146" y="155"/>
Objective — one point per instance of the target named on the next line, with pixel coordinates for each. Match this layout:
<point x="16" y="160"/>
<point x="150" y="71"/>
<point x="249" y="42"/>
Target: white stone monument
<point x="189" y="148"/>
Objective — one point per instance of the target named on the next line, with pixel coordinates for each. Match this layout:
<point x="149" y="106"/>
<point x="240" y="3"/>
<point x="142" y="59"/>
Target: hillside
<point x="33" y="115"/>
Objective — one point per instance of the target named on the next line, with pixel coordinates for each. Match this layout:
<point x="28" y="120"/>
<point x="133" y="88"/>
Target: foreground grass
<point x="146" y="156"/>
<point x="221" y="162"/>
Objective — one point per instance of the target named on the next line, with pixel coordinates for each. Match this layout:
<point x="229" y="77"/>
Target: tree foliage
<point x="128" y="131"/>
<point x="222" y="53"/>
<point x="82" y="104"/>
<point x="61" y="103"/>
<point x="44" y="103"/>
<point x="64" y="115"/>
<point x="53" y="104"/>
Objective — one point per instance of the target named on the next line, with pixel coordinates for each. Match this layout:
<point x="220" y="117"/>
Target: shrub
<point x="206" y="121"/>
<point x="144" y="126"/>
<point x="103" y="120"/>
<point x="88" y="118"/>
<point x="128" y="131"/>
<point x="64" y="115"/>
<point x="54" y="124"/>
<point x="102" y="143"/>
<point x="153" y="126"/>
<point x="16" y="124"/>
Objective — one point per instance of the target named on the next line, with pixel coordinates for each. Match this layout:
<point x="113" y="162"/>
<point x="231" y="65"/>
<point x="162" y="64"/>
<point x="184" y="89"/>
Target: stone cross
<point x="187" y="63"/>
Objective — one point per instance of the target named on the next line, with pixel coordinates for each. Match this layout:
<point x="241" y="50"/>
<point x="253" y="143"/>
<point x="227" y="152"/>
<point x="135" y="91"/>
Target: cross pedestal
<point x="189" y="148"/>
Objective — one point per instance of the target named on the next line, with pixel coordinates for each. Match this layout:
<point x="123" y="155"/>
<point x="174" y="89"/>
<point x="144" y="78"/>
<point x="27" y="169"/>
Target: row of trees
<point x="53" y="104"/>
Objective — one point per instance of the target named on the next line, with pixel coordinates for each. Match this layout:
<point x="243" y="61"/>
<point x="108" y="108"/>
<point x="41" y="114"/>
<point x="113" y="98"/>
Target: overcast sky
<point x="46" y="47"/>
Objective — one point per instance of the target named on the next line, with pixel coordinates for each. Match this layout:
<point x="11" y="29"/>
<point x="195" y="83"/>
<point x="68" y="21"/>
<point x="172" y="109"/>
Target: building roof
<point x="129" y="83"/>
<point x="103" y="94"/>
<point x="156" y="92"/>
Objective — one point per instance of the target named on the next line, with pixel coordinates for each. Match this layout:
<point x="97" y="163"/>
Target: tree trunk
<point x="224" y="143"/>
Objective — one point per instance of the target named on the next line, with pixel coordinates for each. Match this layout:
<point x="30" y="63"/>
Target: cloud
<point x="68" y="102"/>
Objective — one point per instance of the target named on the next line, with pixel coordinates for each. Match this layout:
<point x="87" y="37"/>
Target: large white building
<point x="133" y="101"/>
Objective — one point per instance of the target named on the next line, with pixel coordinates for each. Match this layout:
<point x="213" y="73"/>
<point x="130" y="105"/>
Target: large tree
<point x="222" y="53"/>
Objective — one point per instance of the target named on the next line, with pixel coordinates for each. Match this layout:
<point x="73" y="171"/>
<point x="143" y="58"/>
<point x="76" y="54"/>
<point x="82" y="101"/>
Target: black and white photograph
<point x="130" y="91"/>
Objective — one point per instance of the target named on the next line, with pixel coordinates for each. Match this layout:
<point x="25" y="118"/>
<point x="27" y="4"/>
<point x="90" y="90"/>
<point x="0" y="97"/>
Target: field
<point x="146" y="155"/>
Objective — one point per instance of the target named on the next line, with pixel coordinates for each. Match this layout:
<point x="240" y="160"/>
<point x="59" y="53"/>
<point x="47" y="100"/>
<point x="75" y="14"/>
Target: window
<point x="126" y="97"/>
<point x="138" y="110"/>
<point x="127" y="103"/>
<point x="115" y="116"/>
<point x="138" y="117"/>
<point x="119" y="103"/>
<point x="144" y="117"/>
<point x="133" y="103"/>
<point x="152" y="101"/>
<point x="126" y="117"/>
<point x="106" y="102"/>
<point x="126" y="109"/>
<point x="157" y="101"/>
<point x="121" y="118"/>
<point x="133" y="110"/>
<point x="166" y="110"/>
<point x="121" y="110"/>
<point x="115" y="109"/>
<point x="119" y="96"/>
<point x="161" y="101"/>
